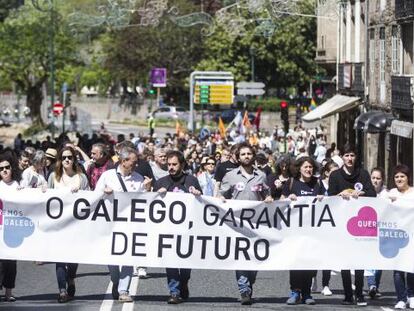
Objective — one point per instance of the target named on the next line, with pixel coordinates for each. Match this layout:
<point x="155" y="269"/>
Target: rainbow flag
<point x="312" y="104"/>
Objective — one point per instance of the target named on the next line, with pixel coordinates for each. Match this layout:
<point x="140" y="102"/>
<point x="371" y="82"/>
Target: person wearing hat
<point x="51" y="154"/>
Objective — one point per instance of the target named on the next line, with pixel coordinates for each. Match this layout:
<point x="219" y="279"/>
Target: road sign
<point x="250" y="88"/>
<point x="57" y="108"/>
<point x="159" y="77"/>
<point x="213" y="92"/>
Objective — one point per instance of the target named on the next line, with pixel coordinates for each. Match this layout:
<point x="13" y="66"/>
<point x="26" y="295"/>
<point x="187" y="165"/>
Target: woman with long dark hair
<point x="304" y="183"/>
<point x="67" y="175"/>
<point x="10" y="180"/>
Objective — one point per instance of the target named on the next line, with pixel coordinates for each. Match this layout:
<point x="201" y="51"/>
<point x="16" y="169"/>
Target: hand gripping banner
<point x="183" y="231"/>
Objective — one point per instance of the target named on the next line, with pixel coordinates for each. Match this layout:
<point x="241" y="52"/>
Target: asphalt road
<point x="36" y="289"/>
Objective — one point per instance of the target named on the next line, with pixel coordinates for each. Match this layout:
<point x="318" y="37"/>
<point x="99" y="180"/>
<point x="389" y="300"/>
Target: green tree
<point x="7" y="5"/>
<point x="283" y="60"/>
<point x="133" y="51"/>
<point x="24" y="52"/>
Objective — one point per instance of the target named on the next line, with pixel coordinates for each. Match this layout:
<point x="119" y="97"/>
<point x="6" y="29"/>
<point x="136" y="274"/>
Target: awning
<point x="378" y="122"/>
<point x="336" y="104"/>
<point x="373" y="121"/>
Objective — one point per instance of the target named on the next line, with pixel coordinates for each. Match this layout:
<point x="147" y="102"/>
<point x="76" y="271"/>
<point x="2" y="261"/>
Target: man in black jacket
<point x="177" y="181"/>
<point x="351" y="181"/>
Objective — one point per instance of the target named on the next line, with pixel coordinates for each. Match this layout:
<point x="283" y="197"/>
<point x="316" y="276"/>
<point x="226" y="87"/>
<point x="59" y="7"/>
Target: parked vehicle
<point x="171" y="112"/>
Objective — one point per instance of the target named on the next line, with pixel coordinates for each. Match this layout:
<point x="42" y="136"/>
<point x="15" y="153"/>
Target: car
<point x="170" y="112"/>
<point x="228" y="115"/>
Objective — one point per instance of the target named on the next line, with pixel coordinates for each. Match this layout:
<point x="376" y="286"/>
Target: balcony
<point x="404" y="9"/>
<point x="351" y="77"/>
<point x="401" y="92"/>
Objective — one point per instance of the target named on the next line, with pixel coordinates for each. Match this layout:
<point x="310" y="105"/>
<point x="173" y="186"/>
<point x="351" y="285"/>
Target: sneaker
<point x="372" y="291"/>
<point x="309" y="301"/>
<point x="293" y="298"/>
<point x="378" y="294"/>
<point x="348" y="302"/>
<point x="185" y="293"/>
<point x="10" y="298"/>
<point x="125" y="298"/>
<point x="174" y="299"/>
<point x="411" y="302"/>
<point x="115" y="293"/>
<point x="142" y="273"/>
<point x="400" y="305"/>
<point x="360" y="301"/>
<point x="314" y="287"/>
<point x="63" y="297"/>
<point x="246" y="299"/>
<point x="326" y="291"/>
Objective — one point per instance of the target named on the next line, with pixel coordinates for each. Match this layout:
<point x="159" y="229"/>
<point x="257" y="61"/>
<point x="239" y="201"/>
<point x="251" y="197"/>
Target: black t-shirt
<point x="301" y="189"/>
<point x="180" y="184"/>
<point x="223" y="168"/>
<point x="360" y="179"/>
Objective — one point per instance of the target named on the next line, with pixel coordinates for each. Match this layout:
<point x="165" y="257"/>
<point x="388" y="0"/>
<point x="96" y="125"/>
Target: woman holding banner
<point x="402" y="190"/>
<point x="304" y="183"/>
<point x="67" y="175"/>
<point x="10" y="177"/>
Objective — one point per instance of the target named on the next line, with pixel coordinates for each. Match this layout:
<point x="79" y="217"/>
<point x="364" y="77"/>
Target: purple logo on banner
<point x="159" y="77"/>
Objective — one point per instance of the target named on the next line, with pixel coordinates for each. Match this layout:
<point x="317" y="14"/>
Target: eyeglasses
<point x="210" y="163"/>
<point x="67" y="157"/>
<point x="2" y="168"/>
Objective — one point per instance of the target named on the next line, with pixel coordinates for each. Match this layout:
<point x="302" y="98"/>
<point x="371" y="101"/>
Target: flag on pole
<point x="246" y="121"/>
<point x="221" y="128"/>
<point x="178" y="129"/>
<point x="256" y="121"/>
<point x="236" y="121"/>
<point x="312" y="104"/>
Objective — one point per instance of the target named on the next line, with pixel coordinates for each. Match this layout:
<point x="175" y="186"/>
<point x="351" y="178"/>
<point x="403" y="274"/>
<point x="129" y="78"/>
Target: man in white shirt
<point x="123" y="179"/>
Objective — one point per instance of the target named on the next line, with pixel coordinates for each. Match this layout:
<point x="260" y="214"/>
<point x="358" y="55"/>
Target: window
<point x="382" y="54"/>
<point x="371" y="50"/>
<point x="394" y="50"/>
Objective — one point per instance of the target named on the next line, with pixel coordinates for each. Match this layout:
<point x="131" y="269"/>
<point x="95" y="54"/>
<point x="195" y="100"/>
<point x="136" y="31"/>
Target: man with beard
<point x="177" y="181"/>
<point x="351" y="181"/>
<point x="245" y="183"/>
<point x="159" y="165"/>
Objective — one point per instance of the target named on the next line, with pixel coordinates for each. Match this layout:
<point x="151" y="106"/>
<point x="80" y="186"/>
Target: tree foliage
<point x="25" y="54"/>
<point x="285" y="59"/>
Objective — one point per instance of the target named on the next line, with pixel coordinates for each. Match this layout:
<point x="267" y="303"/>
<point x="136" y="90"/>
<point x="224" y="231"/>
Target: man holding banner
<point x="123" y="179"/>
<point x="177" y="181"/>
<point x="351" y="181"/>
<point x="245" y="183"/>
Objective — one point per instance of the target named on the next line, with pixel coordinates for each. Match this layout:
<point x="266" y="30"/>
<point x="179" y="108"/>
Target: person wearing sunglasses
<point x="9" y="180"/>
<point x="68" y="174"/>
<point x="206" y="175"/>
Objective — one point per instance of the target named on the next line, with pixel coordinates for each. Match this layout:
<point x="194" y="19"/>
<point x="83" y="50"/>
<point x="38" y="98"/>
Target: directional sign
<point x="213" y="92"/>
<point x="250" y="85"/>
<point x="158" y="77"/>
<point x="250" y="88"/>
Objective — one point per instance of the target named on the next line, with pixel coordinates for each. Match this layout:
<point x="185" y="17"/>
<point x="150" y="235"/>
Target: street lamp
<point x="48" y="6"/>
<point x="252" y="51"/>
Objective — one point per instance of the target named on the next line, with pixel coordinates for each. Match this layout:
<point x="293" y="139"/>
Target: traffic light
<point x="68" y="99"/>
<point x="151" y="91"/>
<point x="284" y="115"/>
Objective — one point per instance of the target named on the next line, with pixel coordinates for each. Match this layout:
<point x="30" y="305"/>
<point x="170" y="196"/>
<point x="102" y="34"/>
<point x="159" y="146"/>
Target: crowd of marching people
<point x="240" y="167"/>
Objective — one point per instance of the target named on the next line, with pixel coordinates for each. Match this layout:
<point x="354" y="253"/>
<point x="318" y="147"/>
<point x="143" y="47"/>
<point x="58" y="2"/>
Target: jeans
<point x="64" y="272"/>
<point x="121" y="275"/>
<point x="176" y="278"/>
<point x="301" y="280"/>
<point x="347" y="283"/>
<point x="375" y="279"/>
<point x="9" y="273"/>
<point x="401" y="289"/>
<point x="245" y="281"/>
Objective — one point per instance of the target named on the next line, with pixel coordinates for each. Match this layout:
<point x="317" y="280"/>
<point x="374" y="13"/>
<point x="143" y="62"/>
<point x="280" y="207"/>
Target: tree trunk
<point x="34" y="102"/>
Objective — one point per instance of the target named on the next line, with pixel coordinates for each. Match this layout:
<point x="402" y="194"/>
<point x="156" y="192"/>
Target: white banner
<point x="183" y="231"/>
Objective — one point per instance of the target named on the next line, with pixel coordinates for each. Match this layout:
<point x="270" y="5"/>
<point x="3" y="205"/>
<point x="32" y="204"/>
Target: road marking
<point x="386" y="309"/>
<point x="107" y="303"/>
<point x="133" y="289"/>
